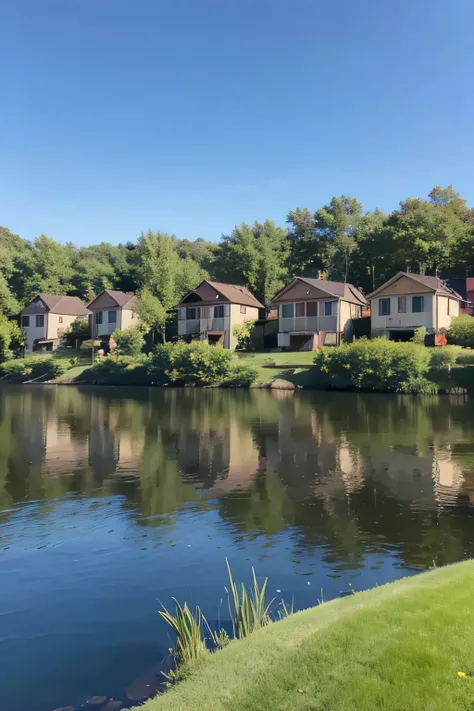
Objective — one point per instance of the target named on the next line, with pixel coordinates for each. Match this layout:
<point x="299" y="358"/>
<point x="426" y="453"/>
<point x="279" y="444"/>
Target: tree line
<point x="339" y="241"/>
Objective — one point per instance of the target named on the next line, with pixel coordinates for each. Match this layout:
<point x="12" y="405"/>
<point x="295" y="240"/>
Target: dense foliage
<point x="378" y="365"/>
<point x="129" y="342"/>
<point x="243" y="333"/>
<point x="444" y="358"/>
<point x="34" y="367"/>
<point x="461" y="332"/>
<point x="195" y="363"/>
<point x="339" y="241"/>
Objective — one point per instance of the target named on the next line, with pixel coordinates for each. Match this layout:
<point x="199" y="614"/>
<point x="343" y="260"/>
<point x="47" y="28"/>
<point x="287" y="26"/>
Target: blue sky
<point x="191" y="116"/>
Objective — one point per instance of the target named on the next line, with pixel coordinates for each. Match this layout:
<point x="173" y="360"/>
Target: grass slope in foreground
<point x="399" y="646"/>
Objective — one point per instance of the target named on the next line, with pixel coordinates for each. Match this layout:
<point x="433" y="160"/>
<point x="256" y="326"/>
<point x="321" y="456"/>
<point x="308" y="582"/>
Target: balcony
<point x="214" y="324"/>
<point x="307" y="324"/>
<point x="187" y="327"/>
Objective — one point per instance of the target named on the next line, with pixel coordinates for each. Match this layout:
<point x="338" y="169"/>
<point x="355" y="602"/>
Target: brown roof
<point x="231" y="292"/>
<point x="431" y="282"/>
<point x="237" y="294"/>
<point x="337" y="289"/>
<point x="67" y="305"/>
<point x="121" y="298"/>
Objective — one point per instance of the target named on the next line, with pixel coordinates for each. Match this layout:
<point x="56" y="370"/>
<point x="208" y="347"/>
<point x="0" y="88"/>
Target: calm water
<point x="112" y="499"/>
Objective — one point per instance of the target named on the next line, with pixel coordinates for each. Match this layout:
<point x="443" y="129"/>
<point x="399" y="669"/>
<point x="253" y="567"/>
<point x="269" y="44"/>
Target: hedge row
<point x="378" y="365"/>
<point x="33" y="367"/>
<point x="195" y="364"/>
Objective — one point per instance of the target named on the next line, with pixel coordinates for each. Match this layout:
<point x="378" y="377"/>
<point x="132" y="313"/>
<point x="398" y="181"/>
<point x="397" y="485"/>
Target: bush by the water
<point x="240" y="376"/>
<point x="195" y="363"/>
<point x="119" y="370"/>
<point x="461" y="331"/>
<point x="444" y="358"/>
<point x="377" y="365"/>
<point x="33" y="367"/>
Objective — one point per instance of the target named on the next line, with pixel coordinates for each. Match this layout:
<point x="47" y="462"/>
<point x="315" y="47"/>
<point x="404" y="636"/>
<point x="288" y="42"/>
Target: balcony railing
<point x="189" y="326"/>
<point x="308" y="324"/>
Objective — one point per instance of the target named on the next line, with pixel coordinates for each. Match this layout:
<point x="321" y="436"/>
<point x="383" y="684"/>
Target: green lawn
<point x="396" y="647"/>
<point x="290" y="366"/>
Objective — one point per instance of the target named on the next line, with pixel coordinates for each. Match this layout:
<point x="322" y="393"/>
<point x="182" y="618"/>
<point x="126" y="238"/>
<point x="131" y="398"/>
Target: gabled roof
<point x="230" y="292"/>
<point x="334" y="289"/>
<point x="65" y="305"/>
<point x="121" y="298"/>
<point x="431" y="282"/>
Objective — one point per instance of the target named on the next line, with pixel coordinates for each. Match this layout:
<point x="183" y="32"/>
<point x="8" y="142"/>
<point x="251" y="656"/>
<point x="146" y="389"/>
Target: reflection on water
<point x="110" y="499"/>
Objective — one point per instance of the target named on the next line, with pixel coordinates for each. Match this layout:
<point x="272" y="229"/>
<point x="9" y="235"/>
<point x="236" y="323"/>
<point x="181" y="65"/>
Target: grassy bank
<point x="399" y="646"/>
<point x="297" y="368"/>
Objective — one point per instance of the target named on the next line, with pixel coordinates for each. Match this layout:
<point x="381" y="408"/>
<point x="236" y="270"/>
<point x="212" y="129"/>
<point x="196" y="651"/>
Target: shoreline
<point x="359" y="642"/>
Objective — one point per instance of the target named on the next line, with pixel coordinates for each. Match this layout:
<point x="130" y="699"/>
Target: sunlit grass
<point x="399" y="646"/>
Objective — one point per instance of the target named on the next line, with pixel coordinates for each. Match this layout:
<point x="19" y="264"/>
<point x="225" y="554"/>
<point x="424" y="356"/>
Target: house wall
<point x="32" y="332"/>
<point x="129" y="318"/>
<point x="105" y="328"/>
<point x="345" y="321"/>
<point x="404" y="285"/>
<point x="409" y="320"/>
<point x="54" y="325"/>
<point x="444" y="318"/>
<point x="300" y="291"/>
<point x="103" y="301"/>
<point x="236" y="317"/>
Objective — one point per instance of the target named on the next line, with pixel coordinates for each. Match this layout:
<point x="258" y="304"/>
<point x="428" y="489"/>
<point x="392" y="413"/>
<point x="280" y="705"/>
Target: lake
<point x="114" y="500"/>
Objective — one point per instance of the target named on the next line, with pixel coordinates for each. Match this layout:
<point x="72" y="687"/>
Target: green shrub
<point x="120" y="370"/>
<point x="191" y="364"/>
<point x="443" y="358"/>
<point x="78" y="330"/>
<point x="461" y="331"/>
<point x="377" y="365"/>
<point x="240" y="376"/>
<point x="243" y="333"/>
<point x="129" y="342"/>
<point x="419" y="336"/>
<point x="33" y="367"/>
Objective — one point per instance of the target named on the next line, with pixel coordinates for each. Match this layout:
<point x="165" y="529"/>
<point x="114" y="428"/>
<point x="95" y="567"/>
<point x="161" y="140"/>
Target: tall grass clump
<point x="189" y="627"/>
<point x="249" y="610"/>
<point x="377" y="365"/>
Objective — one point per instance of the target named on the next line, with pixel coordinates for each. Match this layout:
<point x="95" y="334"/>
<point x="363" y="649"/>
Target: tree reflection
<point x="348" y="474"/>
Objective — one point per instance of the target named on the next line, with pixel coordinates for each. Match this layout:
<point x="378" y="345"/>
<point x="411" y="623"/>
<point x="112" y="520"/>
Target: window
<point x="417" y="304"/>
<point x="60" y="319"/>
<point x="287" y="310"/>
<point x="243" y="309"/>
<point x="330" y="308"/>
<point x="449" y="307"/>
<point x="112" y="317"/>
<point x="98" y="318"/>
<point x="300" y="309"/>
<point x="402" y="304"/>
<point x="219" y="311"/>
<point x="384" y="307"/>
<point x="312" y="308"/>
<point x="25" y="321"/>
<point x="192" y="314"/>
<point x="40" y="321"/>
